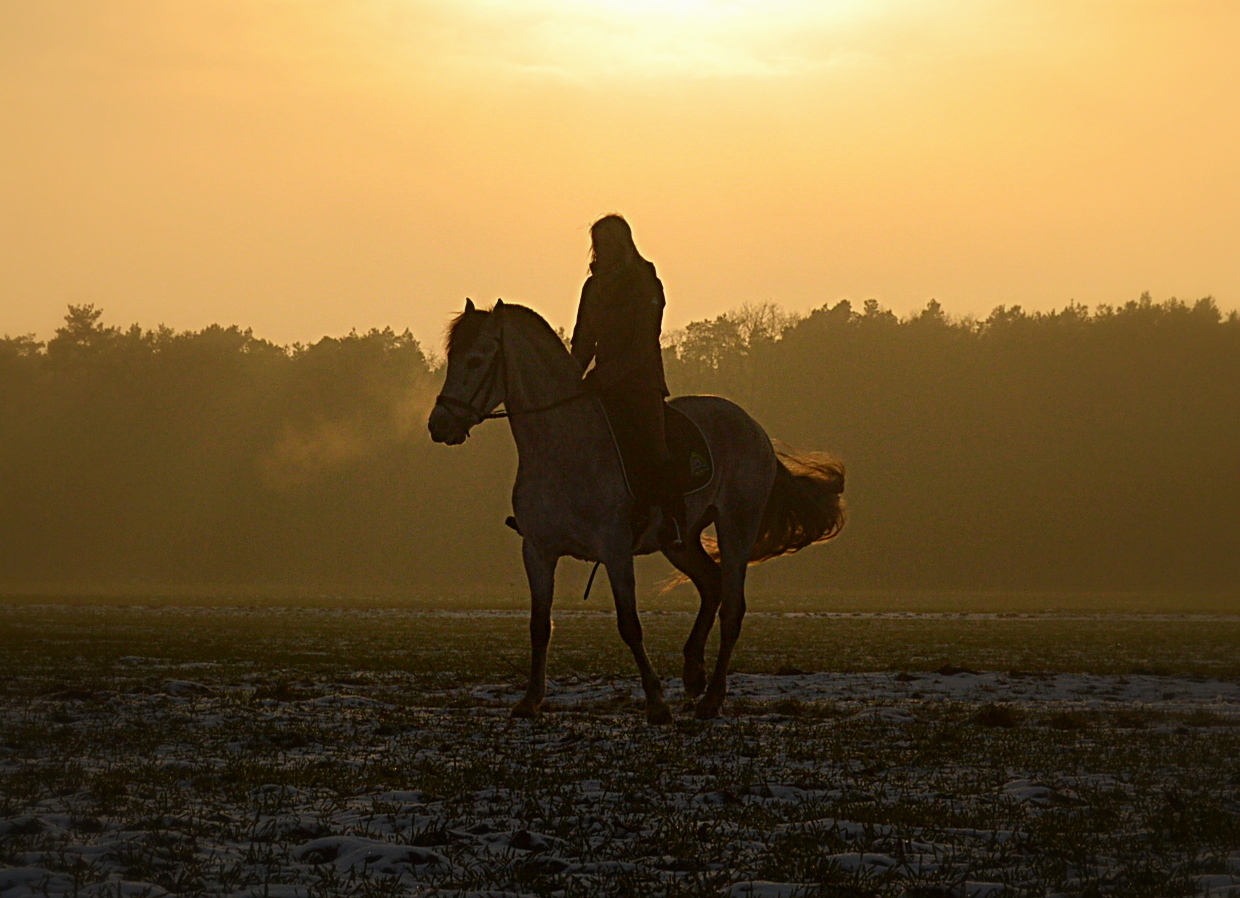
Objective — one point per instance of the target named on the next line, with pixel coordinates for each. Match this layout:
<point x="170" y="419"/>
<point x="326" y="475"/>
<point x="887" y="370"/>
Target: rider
<point x="618" y="324"/>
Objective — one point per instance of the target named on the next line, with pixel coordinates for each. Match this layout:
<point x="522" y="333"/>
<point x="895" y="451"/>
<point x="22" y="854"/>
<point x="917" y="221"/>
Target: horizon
<point x="434" y="351"/>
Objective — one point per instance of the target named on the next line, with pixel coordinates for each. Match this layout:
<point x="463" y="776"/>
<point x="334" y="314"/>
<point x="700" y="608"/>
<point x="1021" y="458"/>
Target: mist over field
<point x="1072" y="450"/>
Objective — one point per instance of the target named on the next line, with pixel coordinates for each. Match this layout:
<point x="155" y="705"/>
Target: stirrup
<point x="670" y="533"/>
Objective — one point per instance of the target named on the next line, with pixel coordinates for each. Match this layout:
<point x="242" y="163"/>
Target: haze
<point x="305" y="168"/>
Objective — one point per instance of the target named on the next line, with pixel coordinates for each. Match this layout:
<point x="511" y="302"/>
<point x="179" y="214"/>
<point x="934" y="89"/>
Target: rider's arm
<point x="584" y="341"/>
<point x="648" y="317"/>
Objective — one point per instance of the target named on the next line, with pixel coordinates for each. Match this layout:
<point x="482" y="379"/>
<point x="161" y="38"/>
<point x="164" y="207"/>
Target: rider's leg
<point x="636" y="417"/>
<point x="672" y="501"/>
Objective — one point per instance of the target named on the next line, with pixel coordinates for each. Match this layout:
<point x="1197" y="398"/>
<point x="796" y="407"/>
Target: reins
<point x="590" y="582"/>
<point x="533" y="411"/>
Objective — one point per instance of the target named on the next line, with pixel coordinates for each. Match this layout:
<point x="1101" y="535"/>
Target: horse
<point x="570" y="496"/>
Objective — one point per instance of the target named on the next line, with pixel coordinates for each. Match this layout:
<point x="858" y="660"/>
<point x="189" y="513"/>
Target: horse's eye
<point x="473" y="363"/>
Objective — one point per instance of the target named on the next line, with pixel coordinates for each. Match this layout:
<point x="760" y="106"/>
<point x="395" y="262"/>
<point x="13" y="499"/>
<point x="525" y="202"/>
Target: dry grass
<point x="208" y="752"/>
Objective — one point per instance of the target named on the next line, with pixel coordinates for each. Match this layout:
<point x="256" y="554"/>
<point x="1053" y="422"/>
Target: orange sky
<point x="308" y="166"/>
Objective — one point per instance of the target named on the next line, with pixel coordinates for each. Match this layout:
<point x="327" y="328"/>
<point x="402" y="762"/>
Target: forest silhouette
<point x="1069" y="450"/>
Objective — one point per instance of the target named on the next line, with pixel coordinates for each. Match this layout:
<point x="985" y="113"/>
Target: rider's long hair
<point x="617" y="228"/>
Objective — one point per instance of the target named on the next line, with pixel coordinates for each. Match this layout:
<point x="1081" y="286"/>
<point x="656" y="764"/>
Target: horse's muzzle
<point x="446" y="427"/>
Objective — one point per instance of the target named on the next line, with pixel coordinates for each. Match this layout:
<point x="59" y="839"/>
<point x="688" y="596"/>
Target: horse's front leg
<point x="624" y="589"/>
<point x="540" y="570"/>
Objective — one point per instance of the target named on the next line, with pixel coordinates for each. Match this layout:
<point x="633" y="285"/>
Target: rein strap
<point x="506" y="413"/>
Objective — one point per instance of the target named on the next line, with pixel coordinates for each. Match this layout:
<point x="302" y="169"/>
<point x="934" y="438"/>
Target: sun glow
<point x="692" y="38"/>
<point x="372" y="162"/>
<point x="706" y="10"/>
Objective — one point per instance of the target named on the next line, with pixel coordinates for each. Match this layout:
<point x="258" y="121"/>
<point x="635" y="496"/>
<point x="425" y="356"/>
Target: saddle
<point x="692" y="464"/>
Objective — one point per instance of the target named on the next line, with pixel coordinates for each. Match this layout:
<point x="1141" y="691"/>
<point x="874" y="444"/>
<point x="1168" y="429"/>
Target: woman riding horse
<point x="618" y="324"/>
<point x="571" y="497"/>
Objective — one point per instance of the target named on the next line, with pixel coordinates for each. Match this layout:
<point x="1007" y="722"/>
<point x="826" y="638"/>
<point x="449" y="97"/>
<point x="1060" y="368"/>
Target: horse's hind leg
<point x="624" y="589"/>
<point x="694" y="563"/>
<point x="540" y="570"/>
<point x="731" y="614"/>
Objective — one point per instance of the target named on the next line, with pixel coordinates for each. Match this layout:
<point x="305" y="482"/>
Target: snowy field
<point x="315" y="752"/>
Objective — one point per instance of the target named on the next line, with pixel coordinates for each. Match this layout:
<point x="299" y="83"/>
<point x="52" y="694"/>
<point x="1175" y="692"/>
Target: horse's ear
<point x="469" y="304"/>
<point x="499" y="303"/>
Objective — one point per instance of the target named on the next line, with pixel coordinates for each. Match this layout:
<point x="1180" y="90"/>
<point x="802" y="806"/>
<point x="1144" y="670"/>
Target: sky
<point x="306" y="167"/>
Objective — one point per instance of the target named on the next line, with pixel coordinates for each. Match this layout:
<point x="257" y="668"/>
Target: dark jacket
<point x="618" y="324"/>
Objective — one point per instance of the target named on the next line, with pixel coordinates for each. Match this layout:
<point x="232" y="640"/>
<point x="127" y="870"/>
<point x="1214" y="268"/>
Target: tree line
<point x="1070" y="450"/>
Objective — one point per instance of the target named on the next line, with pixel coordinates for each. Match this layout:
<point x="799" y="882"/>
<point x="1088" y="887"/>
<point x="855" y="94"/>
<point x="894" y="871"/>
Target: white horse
<point x="571" y="498"/>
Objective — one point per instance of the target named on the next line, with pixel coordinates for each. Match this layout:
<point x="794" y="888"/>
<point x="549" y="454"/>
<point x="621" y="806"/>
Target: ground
<point x="871" y="746"/>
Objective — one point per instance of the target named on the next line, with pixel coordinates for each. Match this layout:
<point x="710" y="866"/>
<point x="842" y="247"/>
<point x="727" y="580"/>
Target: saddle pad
<point x="691" y="459"/>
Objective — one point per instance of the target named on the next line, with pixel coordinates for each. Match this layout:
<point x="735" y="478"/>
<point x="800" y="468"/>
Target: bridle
<point x="454" y="405"/>
<point x="499" y="369"/>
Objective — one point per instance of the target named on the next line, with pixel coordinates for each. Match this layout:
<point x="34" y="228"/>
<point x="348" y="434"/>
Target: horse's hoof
<point x="707" y="709"/>
<point x="525" y="709"/>
<point x="658" y="714"/>
<point x="695" y="681"/>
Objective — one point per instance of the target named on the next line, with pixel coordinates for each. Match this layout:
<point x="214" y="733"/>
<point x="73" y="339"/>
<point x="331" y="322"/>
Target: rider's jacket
<point x="618" y="324"/>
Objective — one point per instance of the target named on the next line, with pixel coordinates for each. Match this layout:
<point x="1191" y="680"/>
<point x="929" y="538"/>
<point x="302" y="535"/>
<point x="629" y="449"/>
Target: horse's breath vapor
<point x="307" y="451"/>
<point x="301" y="454"/>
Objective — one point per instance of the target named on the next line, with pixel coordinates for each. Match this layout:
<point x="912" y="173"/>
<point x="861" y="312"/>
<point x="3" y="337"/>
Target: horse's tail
<point x="804" y="507"/>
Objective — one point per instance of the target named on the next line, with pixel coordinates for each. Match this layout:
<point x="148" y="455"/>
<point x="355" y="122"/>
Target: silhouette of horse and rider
<point x="597" y="478"/>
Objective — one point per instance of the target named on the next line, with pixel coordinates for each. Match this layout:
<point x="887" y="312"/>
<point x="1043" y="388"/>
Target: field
<point x="872" y="746"/>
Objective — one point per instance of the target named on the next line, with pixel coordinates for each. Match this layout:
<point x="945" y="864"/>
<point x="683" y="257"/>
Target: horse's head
<point x="474" y="384"/>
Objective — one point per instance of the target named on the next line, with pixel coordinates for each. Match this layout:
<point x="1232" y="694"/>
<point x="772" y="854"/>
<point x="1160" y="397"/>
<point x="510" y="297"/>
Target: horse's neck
<point x="539" y="372"/>
<point x="542" y="378"/>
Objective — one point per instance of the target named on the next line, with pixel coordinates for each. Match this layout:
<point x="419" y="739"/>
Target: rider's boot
<point x="672" y="529"/>
<point x="640" y="520"/>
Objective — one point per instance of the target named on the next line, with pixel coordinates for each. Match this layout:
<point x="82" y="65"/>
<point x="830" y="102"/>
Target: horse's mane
<point x="465" y="327"/>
